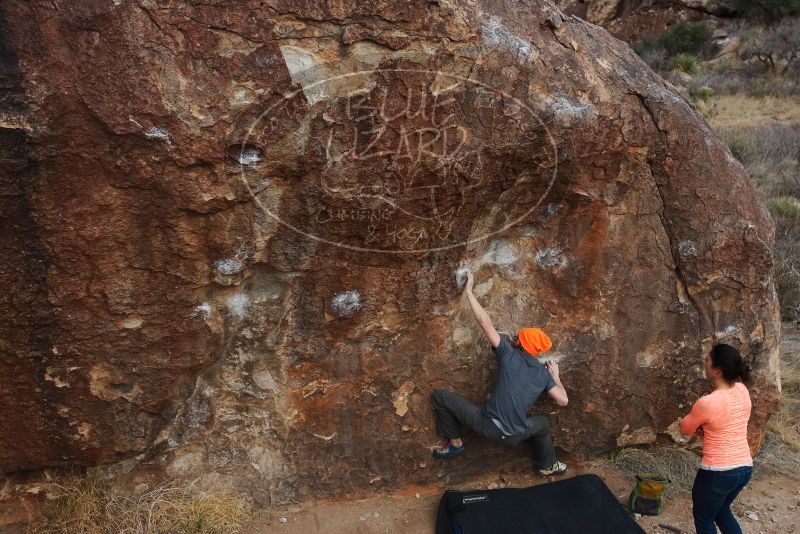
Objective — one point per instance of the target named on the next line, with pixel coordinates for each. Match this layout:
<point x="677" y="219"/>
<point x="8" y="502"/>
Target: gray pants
<point x="453" y="411"/>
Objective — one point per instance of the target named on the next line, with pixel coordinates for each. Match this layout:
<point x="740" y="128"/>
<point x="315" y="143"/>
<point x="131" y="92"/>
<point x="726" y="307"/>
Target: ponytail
<point x="728" y="360"/>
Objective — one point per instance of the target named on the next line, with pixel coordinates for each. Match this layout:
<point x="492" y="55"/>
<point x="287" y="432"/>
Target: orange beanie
<point x="534" y="341"/>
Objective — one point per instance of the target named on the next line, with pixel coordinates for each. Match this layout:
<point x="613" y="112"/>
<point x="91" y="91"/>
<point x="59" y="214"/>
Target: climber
<point x="520" y="380"/>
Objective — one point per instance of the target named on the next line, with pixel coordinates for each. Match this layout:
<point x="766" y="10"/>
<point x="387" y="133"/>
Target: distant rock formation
<point x="632" y="20"/>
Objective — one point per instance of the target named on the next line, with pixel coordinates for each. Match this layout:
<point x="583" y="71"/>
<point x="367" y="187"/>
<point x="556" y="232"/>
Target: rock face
<point x="634" y="20"/>
<point x="233" y="236"/>
<point x="603" y="11"/>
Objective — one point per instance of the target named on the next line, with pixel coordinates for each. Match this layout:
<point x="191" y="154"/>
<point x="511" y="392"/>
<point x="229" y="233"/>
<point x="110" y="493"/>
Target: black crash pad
<point x="577" y="505"/>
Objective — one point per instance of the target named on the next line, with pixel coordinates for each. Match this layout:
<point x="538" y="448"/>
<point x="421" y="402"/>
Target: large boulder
<point x="234" y="233"/>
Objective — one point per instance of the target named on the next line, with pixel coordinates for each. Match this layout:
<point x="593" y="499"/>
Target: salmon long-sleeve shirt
<point x="723" y="414"/>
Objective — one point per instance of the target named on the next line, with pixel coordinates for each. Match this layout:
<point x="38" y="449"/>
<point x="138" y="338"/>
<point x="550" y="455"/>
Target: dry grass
<point x="679" y="465"/>
<point x="777" y="456"/>
<point x="731" y="111"/>
<point x="786" y="207"/>
<point x="770" y="151"/>
<point x="90" y="506"/>
<point x="733" y="77"/>
<point x="786" y="213"/>
<point x="785" y="424"/>
<point x="790" y="380"/>
<point x="780" y="450"/>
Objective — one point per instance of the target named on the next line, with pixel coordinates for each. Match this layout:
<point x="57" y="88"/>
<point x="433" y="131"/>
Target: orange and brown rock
<point x="233" y="236"/>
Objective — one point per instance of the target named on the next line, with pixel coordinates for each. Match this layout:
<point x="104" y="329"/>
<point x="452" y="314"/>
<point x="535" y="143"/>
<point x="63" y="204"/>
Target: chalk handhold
<point x="237" y="305"/>
<point x="346" y="304"/>
<point x="159" y="134"/>
<point x="460" y="276"/>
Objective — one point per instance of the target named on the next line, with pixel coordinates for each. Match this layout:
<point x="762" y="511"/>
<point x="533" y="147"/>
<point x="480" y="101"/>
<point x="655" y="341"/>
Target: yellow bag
<point x="647" y="497"/>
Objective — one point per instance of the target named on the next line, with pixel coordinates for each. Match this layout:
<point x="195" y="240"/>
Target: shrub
<point x="684" y="63"/>
<point x="784" y="207"/>
<point x="740" y="148"/>
<point x="656" y="58"/>
<point x="703" y="93"/>
<point x="692" y="38"/>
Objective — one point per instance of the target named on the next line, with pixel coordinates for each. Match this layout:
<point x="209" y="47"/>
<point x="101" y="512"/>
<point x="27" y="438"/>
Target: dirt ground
<point x="773" y="498"/>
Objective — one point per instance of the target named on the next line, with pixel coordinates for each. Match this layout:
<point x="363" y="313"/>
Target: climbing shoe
<point x="555" y="469"/>
<point x="449" y="452"/>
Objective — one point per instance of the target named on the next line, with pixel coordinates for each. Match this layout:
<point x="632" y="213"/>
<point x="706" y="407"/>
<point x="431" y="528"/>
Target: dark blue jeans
<point x="453" y="411"/>
<point x="712" y="495"/>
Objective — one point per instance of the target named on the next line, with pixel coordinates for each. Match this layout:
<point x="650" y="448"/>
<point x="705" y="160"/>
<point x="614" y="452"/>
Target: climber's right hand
<point x="470" y="282"/>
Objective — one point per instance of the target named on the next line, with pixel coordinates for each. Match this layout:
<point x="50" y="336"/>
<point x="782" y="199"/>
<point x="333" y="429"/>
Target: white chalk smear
<point x="730" y="331"/>
<point x="500" y="253"/>
<point x="346" y="304"/>
<point x="647" y="359"/>
<point x="159" y="134"/>
<point x="132" y="323"/>
<point x="229" y="266"/>
<point x="687" y="248"/>
<point x="564" y="108"/>
<point x="460" y="276"/>
<point x="249" y="155"/>
<point x="202" y="310"/>
<point x="550" y="358"/>
<point x="497" y="35"/>
<point x="550" y="257"/>
<point x="237" y="305"/>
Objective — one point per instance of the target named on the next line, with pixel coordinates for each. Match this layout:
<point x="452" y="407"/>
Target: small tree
<point x="777" y="47"/>
<point x="686" y="38"/>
